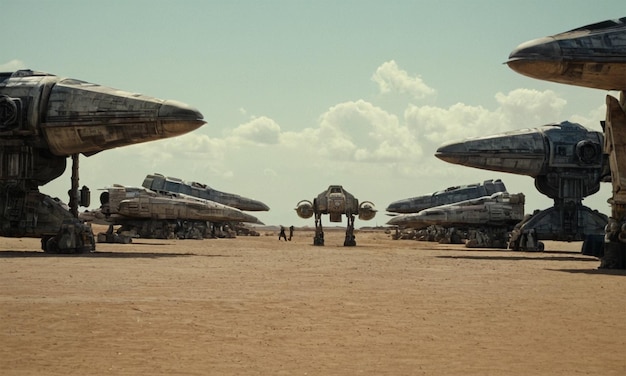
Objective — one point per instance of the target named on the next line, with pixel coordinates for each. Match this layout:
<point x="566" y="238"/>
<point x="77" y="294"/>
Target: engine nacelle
<point x="367" y="211"/>
<point x="305" y="209"/>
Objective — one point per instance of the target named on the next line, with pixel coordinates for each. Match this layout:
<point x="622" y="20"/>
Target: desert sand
<point x="260" y="306"/>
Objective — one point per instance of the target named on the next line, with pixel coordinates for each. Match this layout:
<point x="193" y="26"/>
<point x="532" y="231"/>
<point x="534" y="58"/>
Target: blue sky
<point x="299" y="95"/>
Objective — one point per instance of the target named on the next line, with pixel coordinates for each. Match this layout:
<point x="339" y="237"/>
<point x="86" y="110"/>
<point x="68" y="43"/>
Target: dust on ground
<point x="257" y="305"/>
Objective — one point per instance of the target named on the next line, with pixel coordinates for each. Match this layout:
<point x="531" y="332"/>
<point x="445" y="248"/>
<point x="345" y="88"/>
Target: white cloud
<point x="261" y="130"/>
<point x="521" y="108"/>
<point x="189" y="146"/>
<point x="592" y="119"/>
<point x="390" y="77"/>
<point x="357" y="131"/>
<point x="434" y="126"/>
<point x="526" y="108"/>
<point x="12" y="65"/>
<point x="352" y="138"/>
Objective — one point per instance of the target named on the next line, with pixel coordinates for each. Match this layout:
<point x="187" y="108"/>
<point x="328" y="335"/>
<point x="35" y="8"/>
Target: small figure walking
<point x="282" y="234"/>
<point x="290" y="232"/>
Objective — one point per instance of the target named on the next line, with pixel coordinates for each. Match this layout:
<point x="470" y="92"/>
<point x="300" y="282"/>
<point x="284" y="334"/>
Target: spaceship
<point x="567" y="164"/>
<point x="447" y="196"/>
<point x="592" y="56"/>
<point x="499" y="209"/>
<point x="148" y="214"/>
<point x="336" y="202"/>
<point x="163" y="184"/>
<point x="44" y="119"/>
<point x="487" y="219"/>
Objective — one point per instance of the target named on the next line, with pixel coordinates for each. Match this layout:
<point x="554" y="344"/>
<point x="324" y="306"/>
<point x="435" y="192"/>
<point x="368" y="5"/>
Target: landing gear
<point x="525" y="241"/>
<point x="614" y="253"/>
<point x="73" y="237"/>
<point x="350" y="239"/>
<point x="565" y="221"/>
<point x="319" y="231"/>
<point x="318" y="239"/>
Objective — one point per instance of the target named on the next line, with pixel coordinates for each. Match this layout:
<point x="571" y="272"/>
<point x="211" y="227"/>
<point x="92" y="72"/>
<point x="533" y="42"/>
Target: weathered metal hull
<point x="567" y="163"/>
<point x="481" y="222"/>
<point x="448" y="196"/>
<point x="152" y="215"/>
<point x="181" y="209"/>
<point x="43" y="120"/>
<point x="163" y="184"/>
<point x="336" y="202"/>
<point x="67" y="116"/>
<point x="590" y="56"/>
<point x="542" y="153"/>
<point x="499" y="209"/>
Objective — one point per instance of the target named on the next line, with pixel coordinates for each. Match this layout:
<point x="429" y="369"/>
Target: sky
<point x="300" y="95"/>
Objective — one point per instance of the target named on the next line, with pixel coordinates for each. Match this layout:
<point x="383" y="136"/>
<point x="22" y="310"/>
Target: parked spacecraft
<point x="447" y="196"/>
<point x="147" y="214"/>
<point x="43" y="120"/>
<point x="336" y="202"/>
<point x="591" y="56"/>
<point x="485" y="221"/>
<point x="162" y="184"/>
<point x="567" y="164"/>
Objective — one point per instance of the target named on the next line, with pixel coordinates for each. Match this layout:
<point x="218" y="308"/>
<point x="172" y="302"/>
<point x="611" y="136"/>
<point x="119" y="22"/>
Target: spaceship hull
<point x="43" y="120"/>
<point x="447" y="196"/>
<point x="590" y="56"/>
<point x="499" y="209"/>
<point x="336" y="202"/>
<point x="160" y="183"/>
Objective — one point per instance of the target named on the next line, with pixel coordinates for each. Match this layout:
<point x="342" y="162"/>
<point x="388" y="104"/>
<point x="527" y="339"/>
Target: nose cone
<point x="254" y="205"/>
<point x="546" y="48"/>
<point x="410" y="205"/>
<point x="591" y="56"/>
<point x="414" y="220"/>
<point x="178" y="118"/>
<point x="399" y="220"/>
<point x="540" y="58"/>
<point x="239" y="202"/>
<point x="523" y="152"/>
<point x="399" y="206"/>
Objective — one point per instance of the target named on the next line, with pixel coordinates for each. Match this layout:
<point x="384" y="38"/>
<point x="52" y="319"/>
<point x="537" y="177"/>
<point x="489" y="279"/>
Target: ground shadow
<point x="139" y="255"/>
<point x="521" y="258"/>
<point x="616" y="272"/>
<point x="548" y="256"/>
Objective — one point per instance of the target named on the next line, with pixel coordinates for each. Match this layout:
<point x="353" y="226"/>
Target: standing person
<point x="290" y="232"/>
<point x="282" y="233"/>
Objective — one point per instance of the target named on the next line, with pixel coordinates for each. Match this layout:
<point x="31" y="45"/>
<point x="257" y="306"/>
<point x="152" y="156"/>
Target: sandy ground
<point x="258" y="306"/>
